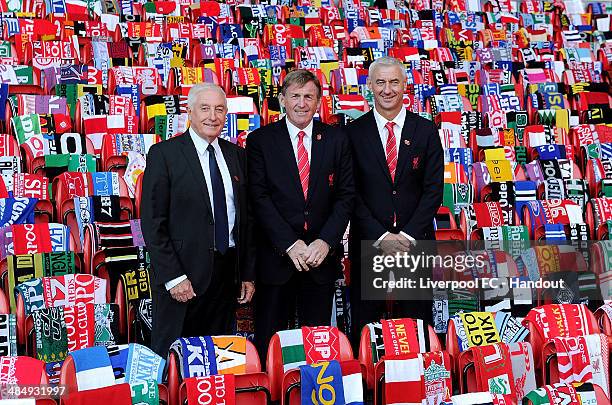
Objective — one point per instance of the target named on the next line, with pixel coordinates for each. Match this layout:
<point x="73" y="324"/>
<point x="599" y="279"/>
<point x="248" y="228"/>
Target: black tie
<point x="220" y="207"/>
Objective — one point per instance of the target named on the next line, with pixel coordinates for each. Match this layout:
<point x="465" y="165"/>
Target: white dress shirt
<point x="201" y="144"/>
<point x="293" y="135"/>
<point x="398" y="127"/>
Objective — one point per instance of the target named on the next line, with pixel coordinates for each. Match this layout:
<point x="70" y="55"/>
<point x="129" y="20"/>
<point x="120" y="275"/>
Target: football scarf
<point x="57" y="164"/>
<point x="567" y="394"/>
<point x="523" y="368"/>
<point x="145" y="392"/>
<point x="93" y="368"/>
<point x="51" y="334"/>
<point x="8" y="335"/>
<point x="27" y="185"/>
<point x="406" y="335"/>
<point x="560" y="320"/>
<point x="481" y="328"/>
<point x="143" y="364"/>
<point x="20" y="370"/>
<point x="322" y="383"/>
<point x="116" y="234"/>
<point x="583" y="359"/>
<point x="135" y="167"/>
<point x="221" y="389"/>
<point x="109" y="394"/>
<point x="494" y="370"/>
<point x="298" y="346"/>
<point x="203" y="356"/>
<point x="404" y="380"/>
<point x="96" y="208"/>
<point x="35" y="238"/>
<point x="128" y="263"/>
<point x="9" y="167"/>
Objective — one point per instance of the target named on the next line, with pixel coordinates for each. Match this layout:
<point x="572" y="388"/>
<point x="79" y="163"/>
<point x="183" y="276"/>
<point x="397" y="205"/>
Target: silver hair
<point x="195" y="91"/>
<point x="387" y="61"/>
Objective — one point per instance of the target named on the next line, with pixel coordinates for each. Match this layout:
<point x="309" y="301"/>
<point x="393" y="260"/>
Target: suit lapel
<point x="232" y="164"/>
<point x="286" y="155"/>
<point x="405" y="145"/>
<point x="317" y="157"/>
<point x="375" y="144"/>
<point x="191" y="156"/>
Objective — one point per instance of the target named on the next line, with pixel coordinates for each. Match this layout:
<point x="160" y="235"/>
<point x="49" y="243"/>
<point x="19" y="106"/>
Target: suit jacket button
<point x="394" y="192"/>
<point x="211" y="222"/>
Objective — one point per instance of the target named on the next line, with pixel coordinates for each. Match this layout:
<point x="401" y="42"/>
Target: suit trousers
<point x="208" y="314"/>
<point x="276" y="306"/>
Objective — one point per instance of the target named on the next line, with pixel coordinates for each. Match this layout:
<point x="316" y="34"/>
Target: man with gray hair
<point x="399" y="179"/>
<point x="196" y="225"/>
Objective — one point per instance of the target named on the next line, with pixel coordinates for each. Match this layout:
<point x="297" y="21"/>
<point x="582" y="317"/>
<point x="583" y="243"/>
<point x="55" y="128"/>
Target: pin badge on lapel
<point x="318" y="137"/>
<point x="407" y="142"/>
<point x="236" y="179"/>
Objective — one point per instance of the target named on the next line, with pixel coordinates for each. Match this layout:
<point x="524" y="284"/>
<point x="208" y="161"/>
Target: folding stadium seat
<point x="116" y="147"/>
<point x="334" y="345"/>
<point x="24" y="104"/>
<point x="539" y="213"/>
<point x="348" y="81"/>
<point x="251" y="382"/>
<point x="161" y="106"/>
<point x="505" y="369"/>
<point x="119" y="394"/>
<point x="147" y="79"/>
<point x="604" y="321"/>
<point x="542" y="325"/>
<point x="15" y="269"/>
<point x="475" y="329"/>
<point x="565" y="392"/>
<point x="25" y="371"/>
<point x="126" y="270"/>
<point x="488" y="214"/>
<point x="181" y="79"/>
<point x="45" y="54"/>
<point x="375" y="343"/>
<point x="98" y="367"/>
<point x="76" y="327"/>
<point x="598" y="214"/>
<point x="109" y="202"/>
<point x="333" y="106"/>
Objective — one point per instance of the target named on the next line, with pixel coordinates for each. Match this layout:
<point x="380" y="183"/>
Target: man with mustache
<point x="196" y="225"/>
<point x="399" y="178"/>
<point x="301" y="192"/>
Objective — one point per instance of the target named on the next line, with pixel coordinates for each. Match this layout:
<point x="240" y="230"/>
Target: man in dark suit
<point x="399" y="179"/>
<point x="196" y="225"/>
<point x="301" y="191"/>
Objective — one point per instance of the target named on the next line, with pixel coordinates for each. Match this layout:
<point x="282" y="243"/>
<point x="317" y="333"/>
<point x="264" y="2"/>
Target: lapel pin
<point x="407" y="142"/>
<point x="318" y="137"/>
<point x="236" y="178"/>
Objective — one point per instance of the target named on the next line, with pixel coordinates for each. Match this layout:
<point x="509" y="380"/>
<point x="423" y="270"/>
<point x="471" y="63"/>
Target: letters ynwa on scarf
<point x="321" y="343"/>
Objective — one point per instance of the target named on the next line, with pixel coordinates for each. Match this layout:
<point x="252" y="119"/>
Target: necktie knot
<point x="210" y="148"/>
<point x="301" y="135"/>
<point x="389" y="126"/>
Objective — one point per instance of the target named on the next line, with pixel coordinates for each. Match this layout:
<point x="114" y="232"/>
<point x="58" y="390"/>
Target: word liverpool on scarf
<point x="484" y="283"/>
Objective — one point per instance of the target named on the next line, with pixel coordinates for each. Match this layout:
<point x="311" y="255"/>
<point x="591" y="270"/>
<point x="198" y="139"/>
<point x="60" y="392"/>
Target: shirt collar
<point x="293" y="130"/>
<point x="200" y="143"/>
<point x="397" y="120"/>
